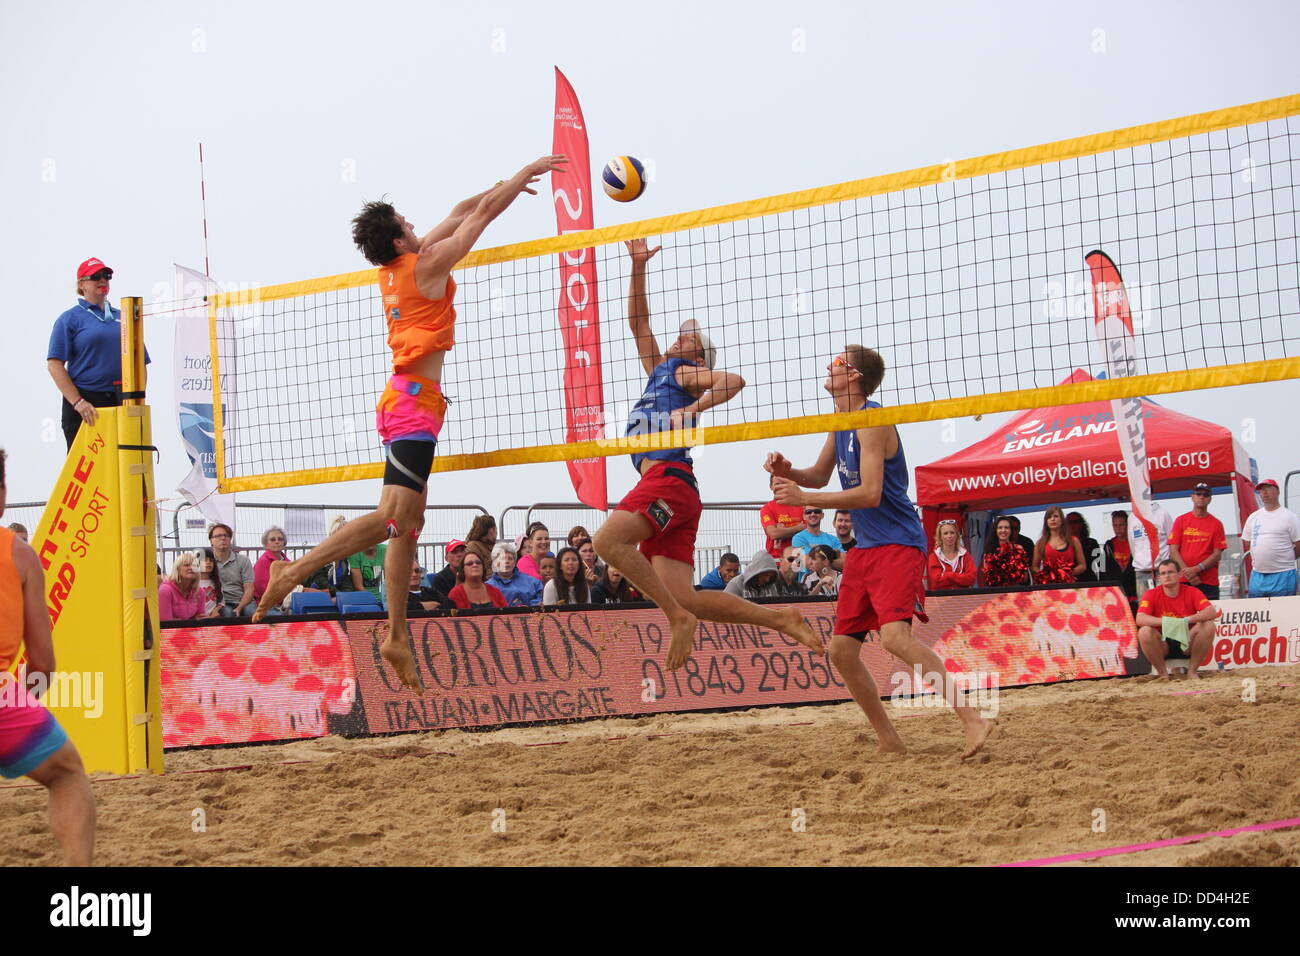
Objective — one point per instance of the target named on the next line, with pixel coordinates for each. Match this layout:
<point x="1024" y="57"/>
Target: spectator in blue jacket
<point x="813" y="535"/>
<point x="718" y="578"/>
<point x="520" y="590"/>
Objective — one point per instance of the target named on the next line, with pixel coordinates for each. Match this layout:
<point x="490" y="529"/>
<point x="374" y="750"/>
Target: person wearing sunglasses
<point x="883" y="585"/>
<point x="813" y="535"/>
<point x="1197" y="543"/>
<point x="85" y="353"/>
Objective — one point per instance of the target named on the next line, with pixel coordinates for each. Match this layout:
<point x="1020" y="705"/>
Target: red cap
<point x="454" y="544"/>
<point x="1267" y="481"/>
<point x="90" y="267"/>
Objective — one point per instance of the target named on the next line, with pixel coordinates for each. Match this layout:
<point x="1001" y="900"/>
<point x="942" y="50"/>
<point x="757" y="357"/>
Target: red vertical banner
<point x="579" y="307"/>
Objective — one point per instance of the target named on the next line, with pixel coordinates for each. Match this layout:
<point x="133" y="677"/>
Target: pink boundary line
<point x="1209" y="690"/>
<point x="1174" y="841"/>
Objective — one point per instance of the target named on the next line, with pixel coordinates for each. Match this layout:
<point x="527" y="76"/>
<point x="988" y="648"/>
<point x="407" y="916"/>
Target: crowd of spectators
<point x="799" y="558"/>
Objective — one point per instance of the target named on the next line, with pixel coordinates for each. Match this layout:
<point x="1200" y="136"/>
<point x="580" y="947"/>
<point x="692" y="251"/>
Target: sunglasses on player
<point x="103" y="275"/>
<point x="839" y="362"/>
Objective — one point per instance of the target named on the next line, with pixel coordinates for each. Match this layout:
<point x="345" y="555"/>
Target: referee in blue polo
<point x="85" y="355"/>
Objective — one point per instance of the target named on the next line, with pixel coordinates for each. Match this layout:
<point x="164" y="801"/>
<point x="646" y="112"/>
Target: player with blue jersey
<point x="651" y="535"/>
<point x="882" y="587"/>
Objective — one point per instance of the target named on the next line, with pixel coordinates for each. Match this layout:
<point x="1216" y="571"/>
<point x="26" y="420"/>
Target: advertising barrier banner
<point x="1256" y="631"/>
<point x="247" y="682"/>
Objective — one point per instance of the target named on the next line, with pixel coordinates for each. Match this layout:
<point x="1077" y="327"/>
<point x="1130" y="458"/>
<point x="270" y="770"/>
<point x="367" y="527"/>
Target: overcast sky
<point x="307" y="109"/>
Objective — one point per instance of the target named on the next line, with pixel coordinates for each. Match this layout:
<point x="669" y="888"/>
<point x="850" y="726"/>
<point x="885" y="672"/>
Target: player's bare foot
<point x="977" y="735"/>
<point x="399" y="657"/>
<point x="278" y="586"/>
<point x="1193" y="673"/>
<point x="683" y="640"/>
<point x="893" y="745"/>
<point x="794" y="625"/>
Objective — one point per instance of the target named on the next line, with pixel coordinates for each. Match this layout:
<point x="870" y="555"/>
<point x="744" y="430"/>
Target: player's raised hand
<point x="538" y="168"/>
<point x="787" y="492"/>
<point x="777" y="464"/>
<point x="637" y="249"/>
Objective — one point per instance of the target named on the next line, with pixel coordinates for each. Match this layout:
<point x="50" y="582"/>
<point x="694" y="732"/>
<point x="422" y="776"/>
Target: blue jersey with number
<point x="894" y="520"/>
<point x="662" y="397"/>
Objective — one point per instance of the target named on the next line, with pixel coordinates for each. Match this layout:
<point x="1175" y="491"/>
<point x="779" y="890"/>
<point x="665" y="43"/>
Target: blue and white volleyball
<point x="623" y="178"/>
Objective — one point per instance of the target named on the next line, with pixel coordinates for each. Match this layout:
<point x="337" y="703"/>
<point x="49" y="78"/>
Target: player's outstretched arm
<point x="638" y="305"/>
<point x="453" y="220"/>
<point x="815" y="477"/>
<point x="438" y="258"/>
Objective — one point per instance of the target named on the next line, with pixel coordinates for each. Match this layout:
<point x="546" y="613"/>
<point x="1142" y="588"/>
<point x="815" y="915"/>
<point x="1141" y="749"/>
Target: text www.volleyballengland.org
<point x="966" y="689"/>
<point x="83" y="690"/>
<point x="75" y="908"/>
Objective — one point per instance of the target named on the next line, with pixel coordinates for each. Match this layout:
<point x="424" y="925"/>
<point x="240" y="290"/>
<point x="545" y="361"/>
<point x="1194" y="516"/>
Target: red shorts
<point x="667" y="497"/>
<point x="880" y="585"/>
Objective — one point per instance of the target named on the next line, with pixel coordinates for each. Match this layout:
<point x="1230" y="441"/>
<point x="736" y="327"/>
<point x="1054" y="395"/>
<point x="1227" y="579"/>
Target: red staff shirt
<point x="1185" y="603"/>
<point x="1196" y="539"/>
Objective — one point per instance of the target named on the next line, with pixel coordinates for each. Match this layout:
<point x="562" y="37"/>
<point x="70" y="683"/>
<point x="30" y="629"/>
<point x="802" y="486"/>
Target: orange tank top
<point x="416" y="326"/>
<point x="11" y="601"/>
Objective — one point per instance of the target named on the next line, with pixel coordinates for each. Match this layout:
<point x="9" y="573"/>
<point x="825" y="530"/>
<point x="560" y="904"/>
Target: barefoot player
<point x="32" y="744"/>
<point x="418" y="293"/>
<point x="882" y="586"/>
<point x="661" y="514"/>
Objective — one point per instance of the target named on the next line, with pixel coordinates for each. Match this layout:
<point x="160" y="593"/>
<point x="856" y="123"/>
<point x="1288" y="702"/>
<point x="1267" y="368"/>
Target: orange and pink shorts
<point x="411" y="409"/>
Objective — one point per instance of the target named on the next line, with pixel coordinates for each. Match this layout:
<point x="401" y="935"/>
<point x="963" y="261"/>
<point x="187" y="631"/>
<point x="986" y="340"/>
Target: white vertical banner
<point x="1114" y="328"/>
<point x="193" y="391"/>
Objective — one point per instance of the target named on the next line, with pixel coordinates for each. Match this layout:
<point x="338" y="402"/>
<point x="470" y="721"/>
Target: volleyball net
<point x="968" y="277"/>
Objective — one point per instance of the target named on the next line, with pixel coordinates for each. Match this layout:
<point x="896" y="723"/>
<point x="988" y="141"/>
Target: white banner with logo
<point x="193" y="362"/>
<point x="1255" y="631"/>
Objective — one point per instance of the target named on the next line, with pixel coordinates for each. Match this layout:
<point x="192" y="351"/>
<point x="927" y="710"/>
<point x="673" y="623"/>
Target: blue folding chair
<point x="357" y="602"/>
<point x="311" y="602"/>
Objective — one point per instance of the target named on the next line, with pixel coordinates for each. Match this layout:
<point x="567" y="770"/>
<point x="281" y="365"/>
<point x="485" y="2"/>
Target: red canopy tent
<point x="1069" y="453"/>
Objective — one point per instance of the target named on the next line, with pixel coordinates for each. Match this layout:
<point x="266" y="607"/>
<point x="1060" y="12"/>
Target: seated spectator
<point x="234" y="571"/>
<point x="334" y="577"/>
<point x="472" y="590"/>
<point x="592" y="566"/>
<point x="179" y="597"/>
<point x="209" y="583"/>
<point x="569" y="586"/>
<point x="443" y="582"/>
<point x="719" y="577"/>
<point x="483" y="530"/>
<point x="482" y="550"/>
<point x="1175" y="618"/>
<point x="844" y="531"/>
<point x="950" y="564"/>
<point x="822" y="578"/>
<point x="535" y="548"/>
<point x="780" y="522"/>
<point x="1117" y="557"/>
<point x="19" y="530"/>
<point x="273" y="541"/>
<point x="762" y="579"/>
<point x="813" y="535"/>
<point x="613" y="588"/>
<point x="576" y="534"/>
<point x="367" y="570"/>
<point x="547" y="567"/>
<point x="420" y="597"/>
<point x="1058" y="556"/>
<point x="1006" y="564"/>
<point x="520" y="590"/>
<point x="1091" y="549"/>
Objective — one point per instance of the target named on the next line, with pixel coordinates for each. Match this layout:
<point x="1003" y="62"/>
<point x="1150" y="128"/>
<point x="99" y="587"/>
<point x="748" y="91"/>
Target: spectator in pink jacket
<point x="273" y="540"/>
<point x="179" y="596"/>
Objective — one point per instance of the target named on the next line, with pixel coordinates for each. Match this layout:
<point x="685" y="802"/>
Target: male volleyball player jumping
<point x="881" y="588"/>
<point x="662" y="513"/>
<point x="418" y="294"/>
